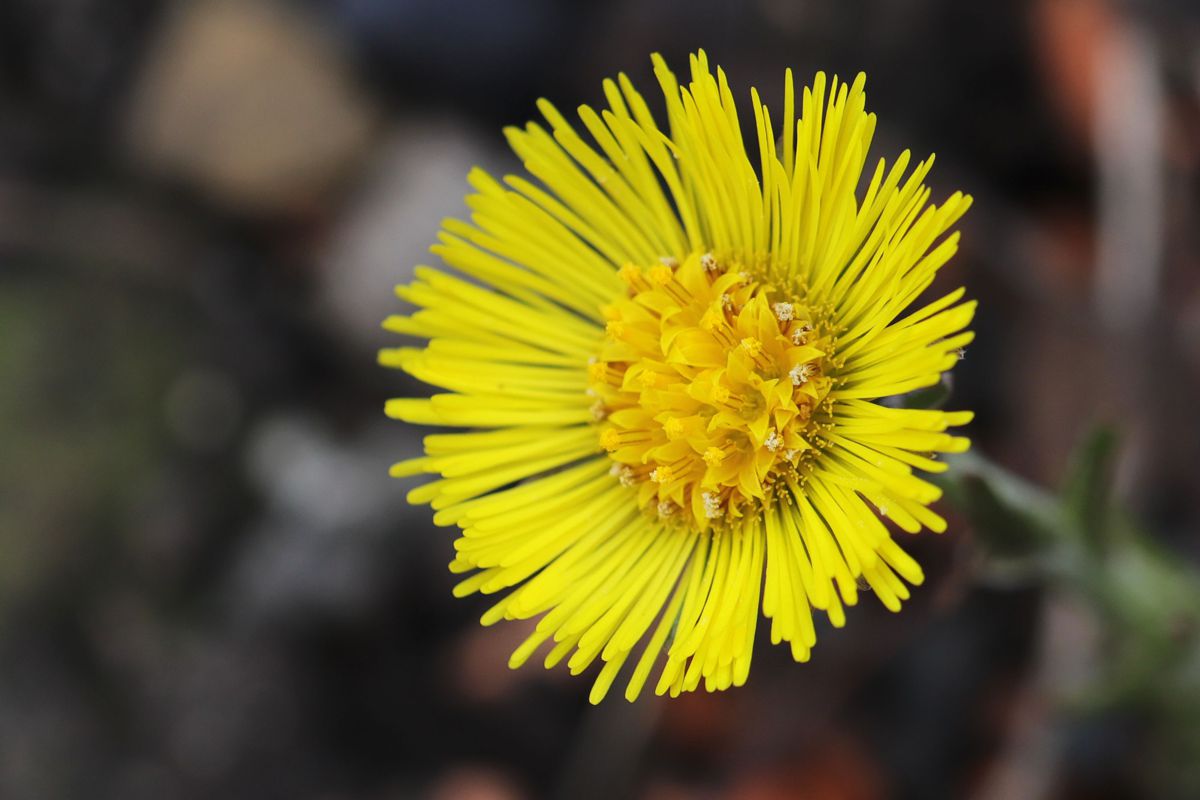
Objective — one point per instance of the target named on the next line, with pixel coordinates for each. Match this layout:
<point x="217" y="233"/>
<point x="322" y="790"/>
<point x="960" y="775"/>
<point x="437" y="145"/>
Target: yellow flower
<point x="676" y="353"/>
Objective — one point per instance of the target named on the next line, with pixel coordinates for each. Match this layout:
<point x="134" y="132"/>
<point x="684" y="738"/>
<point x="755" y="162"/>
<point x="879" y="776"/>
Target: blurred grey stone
<point x="331" y="510"/>
<point x="252" y="104"/>
<point x="418" y="178"/>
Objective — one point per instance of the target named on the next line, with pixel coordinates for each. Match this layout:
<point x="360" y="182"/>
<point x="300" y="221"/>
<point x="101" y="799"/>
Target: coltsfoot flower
<point x="674" y="353"/>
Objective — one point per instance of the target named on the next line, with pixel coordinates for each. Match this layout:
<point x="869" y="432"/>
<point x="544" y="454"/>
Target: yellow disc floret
<point x="713" y="385"/>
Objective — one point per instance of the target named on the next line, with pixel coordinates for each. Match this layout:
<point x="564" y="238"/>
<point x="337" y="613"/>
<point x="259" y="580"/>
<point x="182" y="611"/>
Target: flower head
<point x="673" y="354"/>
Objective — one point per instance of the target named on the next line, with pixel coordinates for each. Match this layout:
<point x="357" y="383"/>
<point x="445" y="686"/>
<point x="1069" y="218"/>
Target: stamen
<point x="708" y="262"/>
<point x="724" y="336"/>
<point x="599" y="410"/>
<point x="785" y="312"/>
<point x="773" y="441"/>
<point x="661" y="474"/>
<point x="666" y="508"/>
<point x="613" y="439"/>
<point x="800" y="374"/>
<point x="605" y="373"/>
<point x="661" y="275"/>
<point x="624" y="473"/>
<point x="712" y="505"/>
<point x="632" y="275"/>
<point x="649" y="379"/>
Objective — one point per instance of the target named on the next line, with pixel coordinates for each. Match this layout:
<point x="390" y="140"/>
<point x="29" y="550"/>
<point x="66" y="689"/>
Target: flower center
<point x="711" y="386"/>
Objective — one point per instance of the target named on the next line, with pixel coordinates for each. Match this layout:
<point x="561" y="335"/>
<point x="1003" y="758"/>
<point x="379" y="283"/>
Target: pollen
<point x="661" y="274"/>
<point x="721" y="342"/>
<point x="624" y="474"/>
<point x="800" y="374"/>
<point x="712" y="505"/>
<point x="649" y="379"/>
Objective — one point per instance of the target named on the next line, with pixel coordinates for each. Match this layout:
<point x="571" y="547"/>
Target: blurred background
<point x="209" y="587"/>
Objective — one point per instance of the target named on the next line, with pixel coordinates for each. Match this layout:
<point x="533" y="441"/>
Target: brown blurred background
<point x="209" y="587"/>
